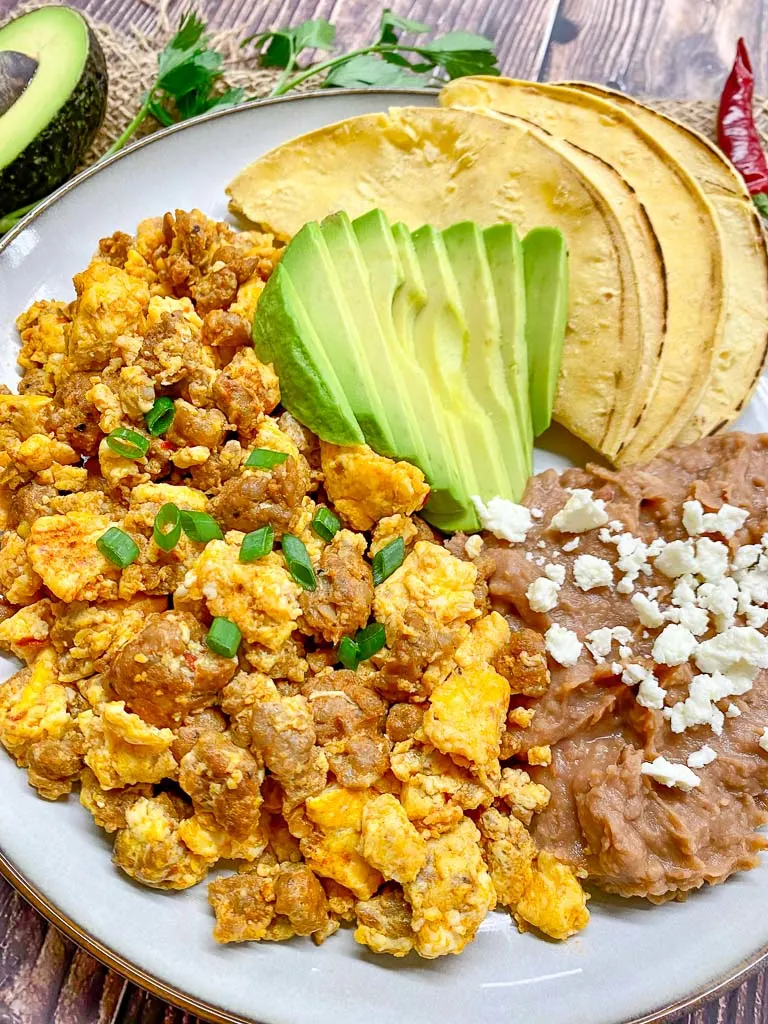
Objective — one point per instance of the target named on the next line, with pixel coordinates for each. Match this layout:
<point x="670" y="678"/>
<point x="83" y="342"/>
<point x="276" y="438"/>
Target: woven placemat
<point x="132" y="62"/>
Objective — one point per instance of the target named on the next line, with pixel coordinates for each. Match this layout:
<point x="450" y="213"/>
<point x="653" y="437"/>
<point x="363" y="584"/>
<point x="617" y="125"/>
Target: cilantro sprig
<point x="189" y="71"/>
<point x="387" y="61"/>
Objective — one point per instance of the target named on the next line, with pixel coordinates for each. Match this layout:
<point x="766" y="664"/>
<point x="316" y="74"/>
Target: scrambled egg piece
<point x="109" y="303"/>
<point x="25" y="415"/>
<point x="43" y="329"/>
<point x="452" y="893"/>
<point x="120" y="472"/>
<point x="63" y="552"/>
<point x="430" y="582"/>
<point x="510" y="854"/>
<point x="206" y="838"/>
<point x="523" y="796"/>
<point x="390" y="528"/>
<point x="435" y="790"/>
<point x="366" y="487"/>
<point x="87" y="636"/>
<point x="39" y="452"/>
<point x="384" y="923"/>
<point x="151" y="850"/>
<point x="19" y="583"/>
<point x="481" y="645"/>
<point x="333" y="848"/>
<point x="33" y="706"/>
<point x="391" y="843"/>
<point x="122" y="749"/>
<point x="261" y="598"/>
<point x="553" y="900"/>
<point x="247" y="298"/>
<point x="466" y="715"/>
<point x="26" y="632"/>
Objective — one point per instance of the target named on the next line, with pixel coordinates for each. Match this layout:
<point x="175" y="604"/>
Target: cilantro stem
<point x="283" y="86"/>
<point x="10" y="220"/>
<point x="131" y="128"/>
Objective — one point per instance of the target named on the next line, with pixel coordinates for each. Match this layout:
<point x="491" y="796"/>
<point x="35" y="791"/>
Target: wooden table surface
<point x="675" y="48"/>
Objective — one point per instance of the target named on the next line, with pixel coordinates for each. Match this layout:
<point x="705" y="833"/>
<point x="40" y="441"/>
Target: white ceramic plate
<point x="634" y="962"/>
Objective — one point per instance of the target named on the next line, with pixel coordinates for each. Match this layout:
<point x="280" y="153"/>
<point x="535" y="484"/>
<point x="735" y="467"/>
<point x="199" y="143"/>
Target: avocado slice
<point x="441" y="337"/>
<point x="49" y="114"/>
<point x="493" y="349"/>
<point x="367" y="279"/>
<point x="283" y="335"/>
<point x="334" y="313"/>
<point x="545" y="256"/>
<point x="505" y="257"/>
<point x="409" y="406"/>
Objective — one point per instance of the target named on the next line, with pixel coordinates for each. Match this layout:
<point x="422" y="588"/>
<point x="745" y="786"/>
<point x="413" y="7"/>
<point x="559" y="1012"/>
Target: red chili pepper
<point x="737" y="133"/>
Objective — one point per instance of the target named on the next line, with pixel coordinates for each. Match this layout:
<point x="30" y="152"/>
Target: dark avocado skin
<point x="52" y="157"/>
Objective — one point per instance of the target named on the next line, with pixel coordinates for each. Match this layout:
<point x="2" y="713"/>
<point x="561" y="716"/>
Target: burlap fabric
<point x="132" y="63"/>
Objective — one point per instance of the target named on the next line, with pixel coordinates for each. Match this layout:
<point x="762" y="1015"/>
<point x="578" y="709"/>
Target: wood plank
<point x="677" y="48"/>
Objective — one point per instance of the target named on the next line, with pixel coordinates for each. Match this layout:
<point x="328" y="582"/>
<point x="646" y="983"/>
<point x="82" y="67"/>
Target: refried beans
<point x="627" y="832"/>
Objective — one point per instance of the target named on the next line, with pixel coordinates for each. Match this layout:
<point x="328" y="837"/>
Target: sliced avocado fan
<point x="546" y="297"/>
<point x="53" y="94"/>
<point x="415" y="343"/>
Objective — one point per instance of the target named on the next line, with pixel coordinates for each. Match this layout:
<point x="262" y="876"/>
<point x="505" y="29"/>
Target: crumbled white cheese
<point x="699" y="708"/>
<point x="648" y="611"/>
<point x="616" y="525"/>
<point x="763" y="741"/>
<point x="684" y="590"/>
<point x="693" y="618"/>
<point x="503" y="518"/>
<point x="678" y="776"/>
<point x="674" y="645"/>
<point x="656" y="547"/>
<point x="746" y="556"/>
<point x="739" y="650"/>
<point x="542" y="594"/>
<point x="702" y="757"/>
<point x="572" y="544"/>
<point x="605" y="535"/>
<point x="591" y="572"/>
<point x="556" y="573"/>
<point x="537" y="513"/>
<point x="677" y="559"/>
<point x="541" y="544"/>
<point x="473" y="545"/>
<point x="693" y="518"/>
<point x="757" y="617"/>
<point x="711" y="559"/>
<point x="600" y="641"/>
<point x="733" y="711"/>
<point x="720" y="599"/>
<point x="580" y="513"/>
<point x="529" y="556"/>
<point x="633" y="555"/>
<point x="650" y="693"/>
<point x="563" y="645"/>
<point x="625" y="585"/>
<point x="754" y="581"/>
<point x="726" y="521"/>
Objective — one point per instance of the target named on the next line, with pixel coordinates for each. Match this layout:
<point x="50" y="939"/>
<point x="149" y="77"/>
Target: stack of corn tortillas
<point x="668" y="317"/>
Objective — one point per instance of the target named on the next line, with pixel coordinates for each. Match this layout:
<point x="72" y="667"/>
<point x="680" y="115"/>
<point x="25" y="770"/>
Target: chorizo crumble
<point x="372" y="794"/>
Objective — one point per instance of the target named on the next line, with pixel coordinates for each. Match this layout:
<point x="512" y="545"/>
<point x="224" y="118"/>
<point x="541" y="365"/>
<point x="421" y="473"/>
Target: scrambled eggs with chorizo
<point x="213" y="654"/>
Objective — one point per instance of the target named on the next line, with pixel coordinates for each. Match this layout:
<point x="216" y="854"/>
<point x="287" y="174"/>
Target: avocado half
<point x="53" y="94"/>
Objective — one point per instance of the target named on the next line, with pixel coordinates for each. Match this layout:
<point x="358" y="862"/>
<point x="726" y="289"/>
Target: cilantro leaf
<point x="367" y="69"/>
<point x="284" y="45"/>
<point x="459" y="41"/>
<point x="315" y="34"/>
<point x="391" y="21"/>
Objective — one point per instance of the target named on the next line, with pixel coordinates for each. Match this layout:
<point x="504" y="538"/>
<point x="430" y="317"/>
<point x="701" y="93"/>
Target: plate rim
<point x="101" y="951"/>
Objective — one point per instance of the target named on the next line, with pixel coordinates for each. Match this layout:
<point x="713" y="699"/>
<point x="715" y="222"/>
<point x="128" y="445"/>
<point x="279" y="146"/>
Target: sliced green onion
<point x="200" y="527"/>
<point x="349" y="653"/>
<point x="224" y="638"/>
<point x="389" y="558"/>
<point x="257" y="544"/>
<point x="265" y="458"/>
<point x="325" y="524"/>
<point x="297" y="560"/>
<point x="160" y="416"/>
<point x="167" y="527"/>
<point x="118" y="547"/>
<point x="128" y="443"/>
<point x="370" y="640"/>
